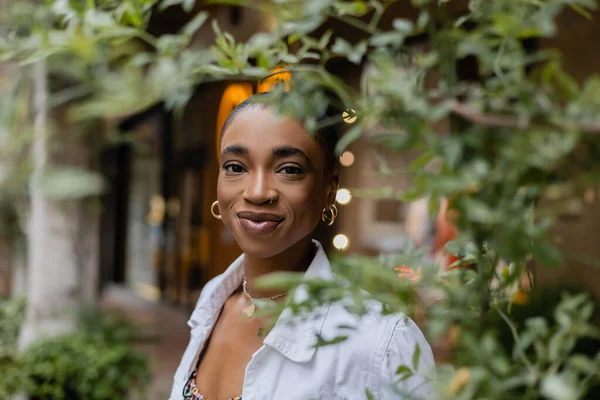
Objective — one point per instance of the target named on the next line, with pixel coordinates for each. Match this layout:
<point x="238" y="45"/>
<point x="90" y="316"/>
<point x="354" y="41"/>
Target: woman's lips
<point x="258" y="228"/>
<point x="258" y="223"/>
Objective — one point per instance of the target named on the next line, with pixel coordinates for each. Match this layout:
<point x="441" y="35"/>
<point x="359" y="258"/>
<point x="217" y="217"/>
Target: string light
<point x="348" y="118"/>
<point x="347" y="158"/>
<point x="343" y="196"/>
<point x="341" y="242"/>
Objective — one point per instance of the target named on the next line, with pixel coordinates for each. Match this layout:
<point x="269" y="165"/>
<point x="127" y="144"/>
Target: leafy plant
<point x="12" y="378"/>
<point x="12" y="313"/>
<point x="96" y="362"/>
<point x="536" y="356"/>
<point x="520" y="134"/>
<point x="75" y="366"/>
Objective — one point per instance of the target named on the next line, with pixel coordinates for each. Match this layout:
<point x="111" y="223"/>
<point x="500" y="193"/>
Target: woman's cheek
<point x="309" y="205"/>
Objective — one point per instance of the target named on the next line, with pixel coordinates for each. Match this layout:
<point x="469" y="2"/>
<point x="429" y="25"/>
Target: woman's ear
<point x="334" y="185"/>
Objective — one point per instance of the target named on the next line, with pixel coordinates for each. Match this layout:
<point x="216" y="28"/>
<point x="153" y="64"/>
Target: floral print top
<point x="190" y="391"/>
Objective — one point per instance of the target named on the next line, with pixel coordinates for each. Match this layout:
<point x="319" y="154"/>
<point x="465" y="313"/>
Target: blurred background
<point x="136" y="237"/>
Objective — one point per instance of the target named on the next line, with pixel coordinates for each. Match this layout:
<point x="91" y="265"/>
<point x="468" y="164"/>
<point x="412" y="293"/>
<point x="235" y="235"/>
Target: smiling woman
<point x="276" y="182"/>
<point x="274" y="172"/>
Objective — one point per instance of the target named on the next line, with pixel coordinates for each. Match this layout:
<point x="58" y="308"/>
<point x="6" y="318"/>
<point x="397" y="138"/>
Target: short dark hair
<point x="327" y="135"/>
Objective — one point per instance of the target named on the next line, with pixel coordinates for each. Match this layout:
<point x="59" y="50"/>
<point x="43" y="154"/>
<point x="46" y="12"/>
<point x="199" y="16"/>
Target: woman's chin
<point x="260" y="251"/>
<point x="260" y="247"/>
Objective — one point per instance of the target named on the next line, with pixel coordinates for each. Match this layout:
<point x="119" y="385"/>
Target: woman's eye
<point x="290" y="170"/>
<point x="233" y="168"/>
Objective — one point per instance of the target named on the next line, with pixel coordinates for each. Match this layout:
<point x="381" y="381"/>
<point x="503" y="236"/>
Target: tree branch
<point x="356" y="23"/>
<point x="507" y="121"/>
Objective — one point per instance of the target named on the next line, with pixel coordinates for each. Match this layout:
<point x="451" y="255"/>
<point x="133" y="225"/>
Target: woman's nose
<point x="257" y="191"/>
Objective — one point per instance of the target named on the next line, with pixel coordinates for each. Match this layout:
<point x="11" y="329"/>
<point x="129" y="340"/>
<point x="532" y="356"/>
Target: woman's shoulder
<point x="383" y="338"/>
<point x="382" y="343"/>
<point x="209" y="287"/>
<point x="372" y="325"/>
<point x="207" y="302"/>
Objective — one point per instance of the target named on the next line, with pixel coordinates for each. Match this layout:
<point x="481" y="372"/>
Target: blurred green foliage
<point x="12" y="313"/>
<point x="553" y="341"/>
<point x="84" y="366"/>
<point x="97" y="361"/>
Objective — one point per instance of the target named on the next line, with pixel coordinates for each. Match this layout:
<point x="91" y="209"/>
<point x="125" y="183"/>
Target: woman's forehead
<point x="262" y="128"/>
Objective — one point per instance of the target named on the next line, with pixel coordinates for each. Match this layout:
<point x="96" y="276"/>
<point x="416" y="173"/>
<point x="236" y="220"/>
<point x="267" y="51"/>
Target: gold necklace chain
<point x="249" y="311"/>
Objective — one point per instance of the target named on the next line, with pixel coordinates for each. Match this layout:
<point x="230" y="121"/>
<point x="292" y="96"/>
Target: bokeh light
<point x="347" y="158"/>
<point x="343" y="196"/>
<point x="349" y="119"/>
<point x="341" y="242"/>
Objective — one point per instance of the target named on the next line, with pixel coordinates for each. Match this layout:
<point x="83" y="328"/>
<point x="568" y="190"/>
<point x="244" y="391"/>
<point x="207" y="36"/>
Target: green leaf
<point x="453" y="151"/>
<point x="324" y="342"/>
<point x="168" y="3"/>
<point x="293" y="38"/>
<point x="480" y="211"/>
<point x="354" y="8"/>
<point x="557" y="387"/>
<point x="421" y="161"/>
<point x="303" y="27"/>
<point x="457" y="247"/>
<point x="583" y="364"/>
<point x="168" y="45"/>
<point x="546" y="253"/>
<point x="387" y="38"/>
<point x="354" y="54"/>
<point x="99" y="19"/>
<point x="416" y="357"/>
<point x="347" y="327"/>
<point x="324" y="41"/>
<point x="348" y="137"/>
<point x="403" y="25"/>
<point x="424" y="19"/>
<point x="555" y="346"/>
<point x="191" y="27"/>
<point x="411" y="194"/>
<point x="214" y="70"/>
<point x="288" y="58"/>
<point x="369" y="394"/>
<point x="255" y="72"/>
<point x="279" y="280"/>
<point x="188" y="5"/>
<point x="261" y="41"/>
<point x="403" y="369"/>
<point x="404" y="372"/>
<point x="311" y="55"/>
<point x="581" y="11"/>
<point x="434" y="204"/>
<point x="216" y="29"/>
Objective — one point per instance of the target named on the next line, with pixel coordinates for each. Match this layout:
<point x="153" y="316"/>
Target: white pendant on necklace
<point x="249" y="311"/>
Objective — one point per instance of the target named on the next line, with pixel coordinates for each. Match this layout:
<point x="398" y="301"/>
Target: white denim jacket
<point x="289" y="366"/>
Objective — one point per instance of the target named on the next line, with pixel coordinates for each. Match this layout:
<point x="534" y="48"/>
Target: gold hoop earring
<point x="212" y="210"/>
<point x="333" y="213"/>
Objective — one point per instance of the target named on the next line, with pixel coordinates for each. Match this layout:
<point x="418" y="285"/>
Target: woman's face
<point x="272" y="184"/>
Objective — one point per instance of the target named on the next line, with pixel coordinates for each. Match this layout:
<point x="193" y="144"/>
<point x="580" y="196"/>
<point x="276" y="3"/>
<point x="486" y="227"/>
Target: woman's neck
<point x="295" y="259"/>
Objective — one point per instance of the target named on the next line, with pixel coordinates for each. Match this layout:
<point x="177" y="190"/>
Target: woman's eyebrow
<point x="235" y="149"/>
<point x="287" y="151"/>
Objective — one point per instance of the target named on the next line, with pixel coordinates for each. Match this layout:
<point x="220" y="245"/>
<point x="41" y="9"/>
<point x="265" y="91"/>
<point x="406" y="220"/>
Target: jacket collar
<point x="293" y="337"/>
